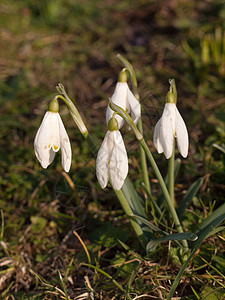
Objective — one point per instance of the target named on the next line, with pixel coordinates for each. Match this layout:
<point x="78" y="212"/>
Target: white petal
<point x="65" y="146"/>
<point x="156" y="137"/>
<point x="119" y="97"/>
<point x="118" y="166"/>
<point x="166" y="132"/>
<point x="103" y="157"/>
<point x="47" y="139"/>
<point x="135" y="107"/>
<point x="181" y="134"/>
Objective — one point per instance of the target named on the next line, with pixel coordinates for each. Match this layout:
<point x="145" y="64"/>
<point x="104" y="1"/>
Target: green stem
<point x="130" y="68"/>
<point x="144" y="163"/>
<point x="171" y="175"/>
<point x="164" y="190"/>
<point x="72" y="109"/>
<point x="129" y="212"/>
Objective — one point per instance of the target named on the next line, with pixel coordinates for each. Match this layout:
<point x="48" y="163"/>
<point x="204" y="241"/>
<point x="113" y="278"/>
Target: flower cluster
<point x="112" y="160"/>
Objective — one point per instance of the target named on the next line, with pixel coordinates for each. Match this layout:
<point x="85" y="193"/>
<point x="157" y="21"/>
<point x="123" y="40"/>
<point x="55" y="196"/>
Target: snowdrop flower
<point x="50" y="137"/>
<point x="171" y="125"/>
<point x="112" y="160"/>
<point x="124" y="98"/>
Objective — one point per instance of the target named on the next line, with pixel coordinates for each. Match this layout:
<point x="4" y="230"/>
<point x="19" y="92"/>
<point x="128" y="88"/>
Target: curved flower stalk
<point x="112" y="160"/>
<point x="50" y="137"/>
<point x="124" y="98"/>
<point x="171" y="125"/>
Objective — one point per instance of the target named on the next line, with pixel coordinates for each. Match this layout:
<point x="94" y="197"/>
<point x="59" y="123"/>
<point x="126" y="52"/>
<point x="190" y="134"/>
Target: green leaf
<point x="149" y="224"/>
<point x="212" y="221"/>
<point x="166" y="236"/>
<point x="178" y="236"/>
<point x="171" y="237"/>
<point x="137" y="208"/>
<point x="186" y="201"/>
<point x="204" y="229"/>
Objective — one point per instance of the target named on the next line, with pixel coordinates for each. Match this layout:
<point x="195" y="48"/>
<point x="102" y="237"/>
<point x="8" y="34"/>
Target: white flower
<point x="171" y="125"/>
<point x="50" y="137"/>
<point x="112" y="161"/>
<point x="124" y="98"/>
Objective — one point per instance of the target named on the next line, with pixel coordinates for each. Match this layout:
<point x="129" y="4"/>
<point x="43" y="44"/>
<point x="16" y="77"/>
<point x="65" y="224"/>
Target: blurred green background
<point x="43" y="43"/>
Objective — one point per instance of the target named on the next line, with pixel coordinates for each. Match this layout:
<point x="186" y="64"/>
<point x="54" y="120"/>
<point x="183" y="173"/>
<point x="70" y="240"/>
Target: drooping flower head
<point x="124" y="98"/>
<point x="171" y="125"/>
<point x="50" y="137"/>
<point x="112" y="160"/>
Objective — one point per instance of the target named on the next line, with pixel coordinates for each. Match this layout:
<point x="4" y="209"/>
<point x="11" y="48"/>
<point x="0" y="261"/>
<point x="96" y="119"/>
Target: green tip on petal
<point x="122" y="76"/>
<point x="54" y="106"/>
<point x="113" y="124"/>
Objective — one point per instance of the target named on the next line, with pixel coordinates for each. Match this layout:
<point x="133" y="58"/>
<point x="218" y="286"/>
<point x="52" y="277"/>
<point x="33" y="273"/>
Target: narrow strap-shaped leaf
<point x="149" y="224"/>
<point x="178" y="236"/>
<point x="137" y="208"/>
<point x="166" y="236"/>
<point x="205" y="229"/>
<point x="171" y="237"/>
<point x="208" y="226"/>
<point x="186" y="201"/>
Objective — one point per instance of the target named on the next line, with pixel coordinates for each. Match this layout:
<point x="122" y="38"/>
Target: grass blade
<point x="105" y="274"/>
<point x="63" y="286"/>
